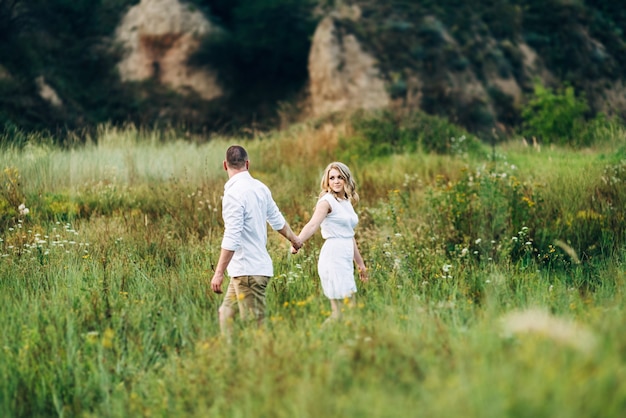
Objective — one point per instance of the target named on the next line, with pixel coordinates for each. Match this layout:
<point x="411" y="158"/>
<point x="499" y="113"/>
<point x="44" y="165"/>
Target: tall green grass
<point x="472" y="309"/>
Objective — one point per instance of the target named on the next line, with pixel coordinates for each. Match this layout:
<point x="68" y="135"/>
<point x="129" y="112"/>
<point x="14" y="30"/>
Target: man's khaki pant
<point x="247" y="292"/>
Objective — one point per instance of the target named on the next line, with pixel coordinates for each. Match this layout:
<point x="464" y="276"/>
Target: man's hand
<point x="222" y="264"/>
<point x="296" y="244"/>
<point x="216" y="283"/>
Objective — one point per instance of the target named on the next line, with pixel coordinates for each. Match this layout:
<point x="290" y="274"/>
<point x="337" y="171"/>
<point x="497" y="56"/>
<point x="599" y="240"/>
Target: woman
<point x="336" y="217"/>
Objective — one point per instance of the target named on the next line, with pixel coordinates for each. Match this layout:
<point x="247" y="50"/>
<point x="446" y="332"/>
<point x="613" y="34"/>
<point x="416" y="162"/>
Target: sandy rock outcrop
<point x="5" y="74"/>
<point x="342" y="76"/>
<point x="159" y="36"/>
<point x="47" y="93"/>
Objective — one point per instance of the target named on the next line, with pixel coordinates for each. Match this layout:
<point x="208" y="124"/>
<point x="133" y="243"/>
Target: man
<point x="247" y="206"/>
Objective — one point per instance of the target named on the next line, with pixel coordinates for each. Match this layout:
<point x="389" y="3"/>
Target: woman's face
<point x="336" y="181"/>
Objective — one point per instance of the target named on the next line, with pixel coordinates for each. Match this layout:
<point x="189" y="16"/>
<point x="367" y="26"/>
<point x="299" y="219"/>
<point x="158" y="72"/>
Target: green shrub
<point x="60" y="207"/>
<point x="385" y="132"/>
<point x="602" y="130"/>
<point x="554" y="117"/>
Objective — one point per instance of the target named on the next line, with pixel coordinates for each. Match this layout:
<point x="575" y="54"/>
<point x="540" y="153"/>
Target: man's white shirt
<point x="247" y="207"/>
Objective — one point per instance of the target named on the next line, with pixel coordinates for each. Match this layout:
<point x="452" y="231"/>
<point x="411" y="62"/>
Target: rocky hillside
<point x="218" y="65"/>
<point x="475" y="62"/>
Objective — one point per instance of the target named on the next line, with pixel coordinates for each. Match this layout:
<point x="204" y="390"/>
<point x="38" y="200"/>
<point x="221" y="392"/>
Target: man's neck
<point x="232" y="171"/>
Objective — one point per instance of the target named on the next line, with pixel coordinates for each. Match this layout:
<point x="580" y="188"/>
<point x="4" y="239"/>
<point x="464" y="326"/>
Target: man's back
<point x="246" y="207"/>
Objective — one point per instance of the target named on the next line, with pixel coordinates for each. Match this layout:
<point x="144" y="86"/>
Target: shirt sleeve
<point x="233" y="213"/>
<point x="274" y="217"/>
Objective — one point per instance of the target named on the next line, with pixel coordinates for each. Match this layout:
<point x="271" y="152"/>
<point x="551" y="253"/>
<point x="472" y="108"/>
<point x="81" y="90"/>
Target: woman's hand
<point x="363" y="274"/>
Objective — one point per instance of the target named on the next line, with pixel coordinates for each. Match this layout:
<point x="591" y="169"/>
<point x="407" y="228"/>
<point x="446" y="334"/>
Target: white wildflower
<point x="23" y="209"/>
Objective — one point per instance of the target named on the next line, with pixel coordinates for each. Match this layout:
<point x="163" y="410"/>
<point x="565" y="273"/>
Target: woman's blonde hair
<point x="349" y="185"/>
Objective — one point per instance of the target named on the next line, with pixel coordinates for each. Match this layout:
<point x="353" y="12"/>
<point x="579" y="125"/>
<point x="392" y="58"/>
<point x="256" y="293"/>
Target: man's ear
<point x="225" y="166"/>
<point x="247" y="164"/>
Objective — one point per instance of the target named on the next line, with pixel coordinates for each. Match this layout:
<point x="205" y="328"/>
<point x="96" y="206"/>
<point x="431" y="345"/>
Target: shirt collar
<point x="239" y="176"/>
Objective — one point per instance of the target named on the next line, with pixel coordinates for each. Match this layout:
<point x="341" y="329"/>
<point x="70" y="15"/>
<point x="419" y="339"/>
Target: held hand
<point x="216" y="283"/>
<point x="363" y="274"/>
<point x="296" y="244"/>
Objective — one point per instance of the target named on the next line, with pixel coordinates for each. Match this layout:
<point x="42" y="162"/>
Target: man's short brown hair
<point x="236" y="156"/>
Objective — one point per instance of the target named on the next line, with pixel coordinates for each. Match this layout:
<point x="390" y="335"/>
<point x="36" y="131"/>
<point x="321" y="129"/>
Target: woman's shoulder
<point x="326" y="196"/>
<point x="327" y="199"/>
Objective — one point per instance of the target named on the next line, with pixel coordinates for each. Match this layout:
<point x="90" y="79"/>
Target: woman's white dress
<point x="335" y="265"/>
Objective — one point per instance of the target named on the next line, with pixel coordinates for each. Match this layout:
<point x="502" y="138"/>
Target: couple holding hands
<point x="247" y="206"/>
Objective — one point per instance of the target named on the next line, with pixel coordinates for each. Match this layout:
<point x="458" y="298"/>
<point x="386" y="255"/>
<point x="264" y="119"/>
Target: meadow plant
<point x="592" y="223"/>
<point x="11" y="195"/>
<point x="543" y="324"/>
<point x="483" y="212"/>
<point x="474" y="306"/>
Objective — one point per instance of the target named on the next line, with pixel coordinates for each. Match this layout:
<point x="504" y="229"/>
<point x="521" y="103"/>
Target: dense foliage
<point x="262" y="53"/>
<point x="434" y="41"/>
<point x="65" y="42"/>
<point x="69" y="43"/>
<point x="261" y="58"/>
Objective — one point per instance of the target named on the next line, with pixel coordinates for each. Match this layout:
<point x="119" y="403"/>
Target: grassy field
<point x="497" y="282"/>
